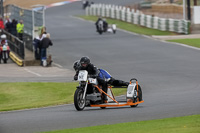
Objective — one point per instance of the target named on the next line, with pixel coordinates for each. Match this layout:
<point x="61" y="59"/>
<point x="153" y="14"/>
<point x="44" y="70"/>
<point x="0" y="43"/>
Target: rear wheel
<point x="79" y="101"/>
<point x="138" y="97"/>
<point x="100" y="32"/>
<point x="5" y="57"/>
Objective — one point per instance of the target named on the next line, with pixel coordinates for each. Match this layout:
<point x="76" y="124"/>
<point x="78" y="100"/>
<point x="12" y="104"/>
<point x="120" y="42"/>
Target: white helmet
<point x="3" y="36"/>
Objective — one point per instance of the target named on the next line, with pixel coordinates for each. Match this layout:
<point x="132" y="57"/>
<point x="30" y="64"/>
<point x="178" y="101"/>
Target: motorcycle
<point x="111" y="29"/>
<point x="100" y="27"/>
<point x="4" y="51"/>
<point x="90" y="94"/>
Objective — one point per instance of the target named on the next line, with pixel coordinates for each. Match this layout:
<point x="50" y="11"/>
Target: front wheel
<point x="79" y="101"/>
<point x="137" y="97"/>
<point x="5" y="56"/>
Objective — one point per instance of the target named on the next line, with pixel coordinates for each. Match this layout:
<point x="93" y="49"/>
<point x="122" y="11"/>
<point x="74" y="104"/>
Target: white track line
<point x="57" y="65"/>
<point x="37" y="74"/>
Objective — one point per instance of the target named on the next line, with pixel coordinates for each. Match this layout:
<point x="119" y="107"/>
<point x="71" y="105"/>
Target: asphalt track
<point x="169" y="75"/>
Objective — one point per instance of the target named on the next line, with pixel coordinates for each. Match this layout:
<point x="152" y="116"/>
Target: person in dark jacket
<point x="8" y="26"/>
<point x="37" y="49"/>
<point x="44" y="44"/>
<point x="14" y="27"/>
<point x="92" y="72"/>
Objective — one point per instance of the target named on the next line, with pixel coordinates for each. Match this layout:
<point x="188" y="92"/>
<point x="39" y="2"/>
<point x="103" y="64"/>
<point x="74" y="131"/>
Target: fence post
<point x="155" y="26"/>
<point x="103" y="10"/>
<point x="148" y="21"/>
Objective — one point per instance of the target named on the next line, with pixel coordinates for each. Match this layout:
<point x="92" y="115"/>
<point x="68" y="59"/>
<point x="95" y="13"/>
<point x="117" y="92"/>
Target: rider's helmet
<point x="3" y="37"/>
<point x="76" y="65"/>
<point x="84" y="61"/>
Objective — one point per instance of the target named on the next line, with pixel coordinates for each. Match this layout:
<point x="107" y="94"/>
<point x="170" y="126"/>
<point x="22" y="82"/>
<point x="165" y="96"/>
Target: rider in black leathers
<point x="105" y="25"/>
<point x="97" y="23"/>
<point x="92" y="72"/>
<point x="103" y="21"/>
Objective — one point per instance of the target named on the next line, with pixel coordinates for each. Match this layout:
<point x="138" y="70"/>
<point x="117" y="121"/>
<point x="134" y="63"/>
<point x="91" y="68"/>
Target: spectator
<point x="37" y="49"/>
<point x="14" y="27"/>
<point x="8" y="25"/>
<point x="1" y="23"/>
<point x="20" y="30"/>
<point x="7" y="19"/>
<point x="42" y="30"/>
<point x="44" y="44"/>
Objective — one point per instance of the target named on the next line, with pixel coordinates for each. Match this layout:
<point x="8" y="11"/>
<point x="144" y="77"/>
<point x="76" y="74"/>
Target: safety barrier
<point x="16" y="59"/>
<point x="16" y="45"/>
<point x="135" y="17"/>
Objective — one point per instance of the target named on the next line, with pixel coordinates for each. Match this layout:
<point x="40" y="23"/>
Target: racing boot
<point x="105" y="99"/>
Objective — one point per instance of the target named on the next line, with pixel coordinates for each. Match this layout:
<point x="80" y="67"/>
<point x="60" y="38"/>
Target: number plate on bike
<point x="82" y="75"/>
<point x="92" y="80"/>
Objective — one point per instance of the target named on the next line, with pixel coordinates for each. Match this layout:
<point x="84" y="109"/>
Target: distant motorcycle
<point x="100" y="29"/>
<point x="111" y="29"/>
<point x="4" y="51"/>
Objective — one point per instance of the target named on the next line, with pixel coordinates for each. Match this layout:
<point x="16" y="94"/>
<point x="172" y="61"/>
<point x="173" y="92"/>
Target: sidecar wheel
<point x="139" y="97"/>
<point x="78" y="100"/>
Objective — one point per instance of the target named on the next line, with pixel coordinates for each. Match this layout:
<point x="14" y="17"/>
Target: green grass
<point x="186" y="124"/>
<point x="190" y="42"/>
<point x="15" y="96"/>
<point x="131" y="27"/>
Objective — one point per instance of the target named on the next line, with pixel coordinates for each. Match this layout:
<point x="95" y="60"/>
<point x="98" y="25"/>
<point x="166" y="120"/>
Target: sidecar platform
<point x="120" y="104"/>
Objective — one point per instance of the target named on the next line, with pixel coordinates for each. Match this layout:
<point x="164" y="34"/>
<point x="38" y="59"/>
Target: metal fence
<point x="31" y="19"/>
<point x="135" y="17"/>
<point x="15" y="44"/>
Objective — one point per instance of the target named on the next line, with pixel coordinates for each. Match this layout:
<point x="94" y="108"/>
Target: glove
<point x="75" y="77"/>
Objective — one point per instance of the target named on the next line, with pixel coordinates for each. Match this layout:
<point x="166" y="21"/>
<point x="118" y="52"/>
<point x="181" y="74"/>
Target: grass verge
<point x="190" y="42"/>
<point x="15" y="96"/>
<point x="130" y="27"/>
<point x="186" y="124"/>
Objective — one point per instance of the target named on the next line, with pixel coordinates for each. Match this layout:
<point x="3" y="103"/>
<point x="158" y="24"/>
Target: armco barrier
<point x="16" y="59"/>
<point x="15" y="44"/>
<point x="135" y="17"/>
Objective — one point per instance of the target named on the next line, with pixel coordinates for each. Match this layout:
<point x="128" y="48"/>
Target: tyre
<point x="79" y="103"/>
<point x="139" y="97"/>
<point x="5" y="57"/>
<point x="5" y="61"/>
<point x="103" y="107"/>
<point x="100" y="32"/>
